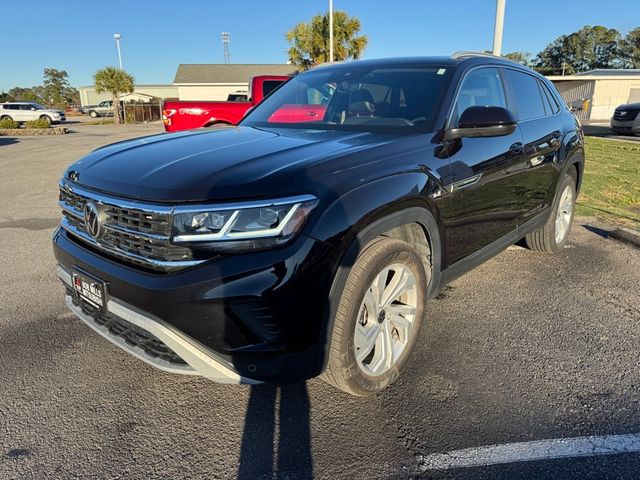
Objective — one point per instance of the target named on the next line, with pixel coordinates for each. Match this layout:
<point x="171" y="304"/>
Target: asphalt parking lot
<point x="525" y="348"/>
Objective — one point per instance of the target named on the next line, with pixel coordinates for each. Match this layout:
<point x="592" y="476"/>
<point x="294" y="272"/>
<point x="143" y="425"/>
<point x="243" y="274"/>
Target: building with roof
<point x="217" y="81"/>
<point x="595" y="94"/>
<point x="141" y="93"/>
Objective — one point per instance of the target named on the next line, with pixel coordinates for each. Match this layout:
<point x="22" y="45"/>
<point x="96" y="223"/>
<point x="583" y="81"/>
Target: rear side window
<point x="481" y="87"/>
<point x="526" y="95"/>
<point x="550" y="104"/>
<point x="269" y="86"/>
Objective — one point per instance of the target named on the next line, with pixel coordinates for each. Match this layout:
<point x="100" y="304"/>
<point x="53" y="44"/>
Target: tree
<point x="20" y="94"/>
<point x="310" y="41"/>
<point x="520" y="57"/>
<point x="114" y="81"/>
<point x="587" y="49"/>
<point x="630" y="49"/>
<point x="57" y="90"/>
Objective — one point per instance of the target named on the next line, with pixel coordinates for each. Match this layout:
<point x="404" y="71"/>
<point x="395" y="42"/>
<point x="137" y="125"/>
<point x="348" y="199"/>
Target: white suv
<point x="26" y="111"/>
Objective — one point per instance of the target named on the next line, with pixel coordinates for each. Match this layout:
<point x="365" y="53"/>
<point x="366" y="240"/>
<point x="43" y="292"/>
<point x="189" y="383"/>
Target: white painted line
<point x="534" y="450"/>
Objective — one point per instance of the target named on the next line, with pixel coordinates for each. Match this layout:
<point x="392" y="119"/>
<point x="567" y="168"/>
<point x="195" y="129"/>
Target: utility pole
<point x="225" y="43"/>
<point x="117" y="37"/>
<point x="330" y="30"/>
<point x="497" y="32"/>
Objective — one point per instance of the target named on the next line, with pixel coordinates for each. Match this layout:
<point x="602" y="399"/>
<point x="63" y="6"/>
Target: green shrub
<point x="39" y="123"/>
<point x="8" y="123"/>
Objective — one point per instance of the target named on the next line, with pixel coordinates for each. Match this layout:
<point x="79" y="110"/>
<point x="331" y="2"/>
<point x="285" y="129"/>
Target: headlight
<point x="242" y="226"/>
<point x="56" y="114"/>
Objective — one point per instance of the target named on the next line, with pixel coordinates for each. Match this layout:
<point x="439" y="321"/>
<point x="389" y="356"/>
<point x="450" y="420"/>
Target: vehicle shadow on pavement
<point x="258" y="439"/>
<point x="7" y="141"/>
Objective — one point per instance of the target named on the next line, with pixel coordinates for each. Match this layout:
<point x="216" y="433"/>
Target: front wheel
<point x="378" y="318"/>
<point x="93" y="114"/>
<point x="552" y="237"/>
<point x="46" y="118"/>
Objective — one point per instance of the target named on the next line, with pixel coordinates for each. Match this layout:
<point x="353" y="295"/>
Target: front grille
<point x="139" y="235"/>
<point x="132" y="334"/>
<point x="626" y="115"/>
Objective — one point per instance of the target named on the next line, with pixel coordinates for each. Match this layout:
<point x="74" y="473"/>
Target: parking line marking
<point x="534" y="450"/>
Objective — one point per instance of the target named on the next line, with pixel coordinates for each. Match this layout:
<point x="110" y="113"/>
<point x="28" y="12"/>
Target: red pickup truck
<point x="185" y="115"/>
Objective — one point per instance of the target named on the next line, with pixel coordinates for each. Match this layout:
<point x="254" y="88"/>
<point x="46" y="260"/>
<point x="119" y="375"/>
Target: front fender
<point x="364" y="213"/>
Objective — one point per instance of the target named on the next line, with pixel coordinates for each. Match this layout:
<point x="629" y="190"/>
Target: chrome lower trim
<point x="127" y="256"/>
<point x="200" y="360"/>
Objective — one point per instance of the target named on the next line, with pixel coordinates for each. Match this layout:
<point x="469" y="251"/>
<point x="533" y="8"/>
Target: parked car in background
<point x="26" y="111"/>
<point x="626" y="119"/>
<point x="185" y="115"/>
<point x="286" y="248"/>
<point x="103" y="109"/>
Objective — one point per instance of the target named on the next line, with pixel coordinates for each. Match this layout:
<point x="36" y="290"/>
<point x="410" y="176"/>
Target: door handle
<point x="517" y="147"/>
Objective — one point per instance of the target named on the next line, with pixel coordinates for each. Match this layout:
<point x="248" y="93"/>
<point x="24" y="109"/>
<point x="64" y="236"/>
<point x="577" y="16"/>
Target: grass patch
<point x="611" y="187"/>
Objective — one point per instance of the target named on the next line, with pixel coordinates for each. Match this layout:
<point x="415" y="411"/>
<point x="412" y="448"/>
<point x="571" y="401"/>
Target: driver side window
<point x="482" y="87"/>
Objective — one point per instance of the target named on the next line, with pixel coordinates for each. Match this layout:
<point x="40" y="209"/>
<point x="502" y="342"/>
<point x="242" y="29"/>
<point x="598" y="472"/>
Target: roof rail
<point x="475" y="54"/>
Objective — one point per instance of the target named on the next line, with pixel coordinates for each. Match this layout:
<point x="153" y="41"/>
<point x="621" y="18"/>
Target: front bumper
<point x="197" y="360"/>
<point x="630" y="126"/>
<point x="240" y="319"/>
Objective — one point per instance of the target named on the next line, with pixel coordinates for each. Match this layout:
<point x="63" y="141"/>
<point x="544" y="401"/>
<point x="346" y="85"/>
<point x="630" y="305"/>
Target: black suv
<point x="306" y="240"/>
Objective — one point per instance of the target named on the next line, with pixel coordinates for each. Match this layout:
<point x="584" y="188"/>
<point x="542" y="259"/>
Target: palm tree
<point x="114" y="81"/>
<point x="310" y="41"/>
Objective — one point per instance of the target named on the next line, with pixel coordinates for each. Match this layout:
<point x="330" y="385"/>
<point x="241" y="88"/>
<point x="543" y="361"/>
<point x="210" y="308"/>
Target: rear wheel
<point x="378" y="318"/>
<point x="552" y="237"/>
<point x="5" y="117"/>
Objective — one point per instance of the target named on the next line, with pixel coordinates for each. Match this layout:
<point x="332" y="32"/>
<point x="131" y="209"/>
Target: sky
<point x="157" y="35"/>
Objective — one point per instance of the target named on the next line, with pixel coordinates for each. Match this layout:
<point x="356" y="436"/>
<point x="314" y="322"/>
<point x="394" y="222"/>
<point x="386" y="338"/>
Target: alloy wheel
<point x="386" y="319"/>
<point x="564" y="214"/>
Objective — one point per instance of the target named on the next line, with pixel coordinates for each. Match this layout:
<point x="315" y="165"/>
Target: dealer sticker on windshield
<point x="89" y="290"/>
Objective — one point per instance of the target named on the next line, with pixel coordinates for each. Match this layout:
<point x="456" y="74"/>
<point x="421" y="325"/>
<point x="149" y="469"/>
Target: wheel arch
<point x="213" y="122"/>
<point x="414" y="224"/>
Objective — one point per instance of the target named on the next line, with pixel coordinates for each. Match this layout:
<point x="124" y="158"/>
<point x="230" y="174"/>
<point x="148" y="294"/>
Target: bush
<point x="8" y="123"/>
<point x="39" y="123"/>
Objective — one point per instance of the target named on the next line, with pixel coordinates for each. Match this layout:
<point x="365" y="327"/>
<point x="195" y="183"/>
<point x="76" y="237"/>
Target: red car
<point x="186" y="115"/>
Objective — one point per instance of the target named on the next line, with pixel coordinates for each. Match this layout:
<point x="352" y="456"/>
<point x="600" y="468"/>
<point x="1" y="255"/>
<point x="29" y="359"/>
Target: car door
<point x="483" y="183"/>
<point x="541" y="128"/>
<point x="27" y="112"/>
<point x="17" y="113"/>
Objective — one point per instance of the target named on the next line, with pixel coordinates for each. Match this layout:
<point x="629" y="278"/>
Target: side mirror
<point x="481" y="121"/>
<point x="33" y="109"/>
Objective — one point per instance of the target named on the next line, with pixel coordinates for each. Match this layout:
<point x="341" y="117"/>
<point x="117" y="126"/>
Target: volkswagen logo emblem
<point x="91" y="219"/>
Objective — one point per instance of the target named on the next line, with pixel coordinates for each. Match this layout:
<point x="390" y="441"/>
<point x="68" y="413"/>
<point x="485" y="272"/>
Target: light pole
<point x="117" y="38"/>
<point x="497" y="32"/>
<point x="330" y="30"/>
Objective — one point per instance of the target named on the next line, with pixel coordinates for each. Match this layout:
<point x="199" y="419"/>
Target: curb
<point x="29" y="132"/>
<point x="626" y="235"/>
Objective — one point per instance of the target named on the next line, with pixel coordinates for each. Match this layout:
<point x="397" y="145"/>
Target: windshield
<point x="356" y="98"/>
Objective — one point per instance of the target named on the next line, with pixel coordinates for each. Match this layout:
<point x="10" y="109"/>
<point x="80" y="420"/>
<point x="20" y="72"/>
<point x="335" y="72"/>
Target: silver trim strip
<point x="136" y="233"/>
<point x="164" y="264"/>
<point x="200" y="361"/>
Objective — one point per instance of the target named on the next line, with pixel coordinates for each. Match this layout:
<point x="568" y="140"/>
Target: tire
<point x="5" y="117"/>
<point x="552" y="236"/>
<point x="93" y="114"/>
<point x="357" y="363"/>
<point x="46" y="118"/>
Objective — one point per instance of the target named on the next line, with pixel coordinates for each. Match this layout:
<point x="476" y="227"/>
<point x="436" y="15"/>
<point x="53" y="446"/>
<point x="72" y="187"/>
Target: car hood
<point x="235" y="163"/>
<point x="628" y="106"/>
